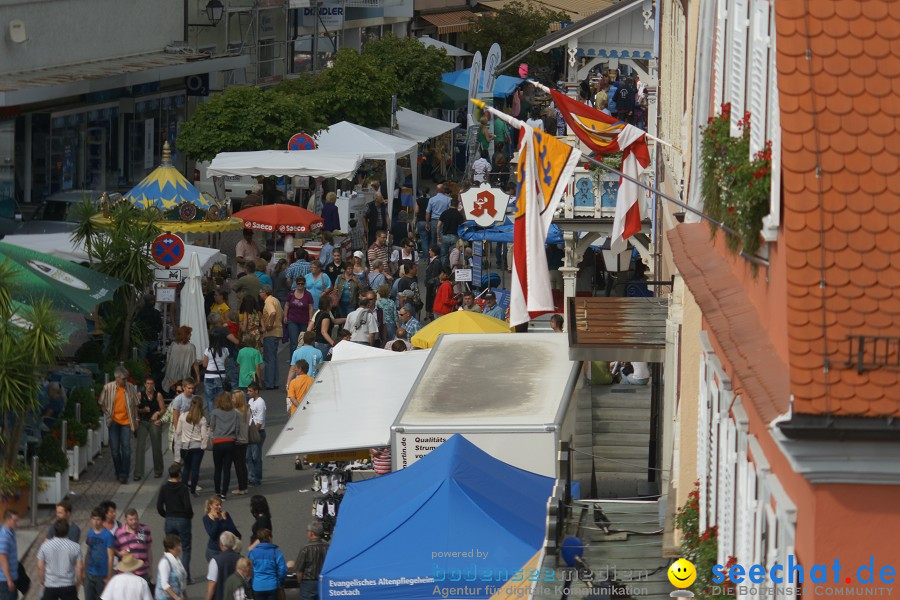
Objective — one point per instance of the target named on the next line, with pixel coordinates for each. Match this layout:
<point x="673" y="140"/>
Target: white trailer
<point x="511" y="395"/>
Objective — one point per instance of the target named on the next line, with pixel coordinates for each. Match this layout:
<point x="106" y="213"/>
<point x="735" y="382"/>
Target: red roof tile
<point x="747" y="351"/>
<point x="844" y="226"/>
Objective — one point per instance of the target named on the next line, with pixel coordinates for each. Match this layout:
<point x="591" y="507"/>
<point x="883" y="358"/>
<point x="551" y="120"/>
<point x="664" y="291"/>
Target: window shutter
<point x="714" y="454"/>
<point x="727" y="458"/>
<point x="738" y="64"/>
<point x="758" y="92"/>
<point x="703" y="442"/>
<point x="772" y="221"/>
<point x="746" y="553"/>
<point x="719" y="64"/>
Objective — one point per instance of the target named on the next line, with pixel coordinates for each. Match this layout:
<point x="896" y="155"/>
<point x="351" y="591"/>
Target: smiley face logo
<point x="682" y="573"/>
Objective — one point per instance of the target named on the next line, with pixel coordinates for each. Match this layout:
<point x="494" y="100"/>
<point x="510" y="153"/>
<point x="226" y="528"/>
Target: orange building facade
<point x="795" y="411"/>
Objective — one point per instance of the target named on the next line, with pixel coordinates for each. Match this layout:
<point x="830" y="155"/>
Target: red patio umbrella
<point x="283" y="218"/>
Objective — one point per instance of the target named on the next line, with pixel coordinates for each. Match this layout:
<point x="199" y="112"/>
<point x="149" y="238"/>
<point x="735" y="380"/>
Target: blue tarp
<point x="505" y="85"/>
<point x="471" y="232"/>
<point x="393" y="532"/>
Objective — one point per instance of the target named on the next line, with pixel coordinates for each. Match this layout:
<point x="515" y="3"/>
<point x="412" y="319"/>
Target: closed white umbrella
<point x="192" y="313"/>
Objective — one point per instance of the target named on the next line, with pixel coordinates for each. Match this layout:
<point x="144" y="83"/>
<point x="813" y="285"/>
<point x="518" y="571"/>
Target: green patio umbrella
<point x="69" y="287"/>
<point x="68" y="326"/>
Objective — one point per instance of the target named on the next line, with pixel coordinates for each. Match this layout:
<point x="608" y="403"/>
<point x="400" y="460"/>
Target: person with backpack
<point x="362" y="323"/>
<point x="214" y="377"/>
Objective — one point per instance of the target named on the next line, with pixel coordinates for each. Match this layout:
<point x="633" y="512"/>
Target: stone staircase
<point x="620" y="439"/>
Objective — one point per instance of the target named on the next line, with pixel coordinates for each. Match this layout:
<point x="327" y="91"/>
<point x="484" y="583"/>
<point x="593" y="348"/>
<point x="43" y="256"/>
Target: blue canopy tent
<point x="471" y="232"/>
<point x="505" y="85"/>
<point x="396" y="535"/>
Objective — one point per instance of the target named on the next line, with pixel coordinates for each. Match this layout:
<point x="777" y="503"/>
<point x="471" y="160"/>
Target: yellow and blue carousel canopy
<point x="166" y="188"/>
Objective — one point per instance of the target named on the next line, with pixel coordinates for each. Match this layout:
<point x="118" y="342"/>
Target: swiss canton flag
<point x="545" y="167"/>
<point x="605" y="135"/>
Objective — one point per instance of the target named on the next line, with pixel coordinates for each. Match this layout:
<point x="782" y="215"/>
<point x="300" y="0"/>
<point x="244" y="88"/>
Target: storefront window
<point x="82" y="150"/>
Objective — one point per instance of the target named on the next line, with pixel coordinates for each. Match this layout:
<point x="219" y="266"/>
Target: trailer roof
<point x="491" y="380"/>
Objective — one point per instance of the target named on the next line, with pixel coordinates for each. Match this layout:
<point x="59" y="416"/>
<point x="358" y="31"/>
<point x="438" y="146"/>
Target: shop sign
<point x="330" y="13"/>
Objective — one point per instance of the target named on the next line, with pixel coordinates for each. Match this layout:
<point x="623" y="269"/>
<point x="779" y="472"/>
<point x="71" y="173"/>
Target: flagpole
<point x="519" y="124"/>
<point x="543" y="87"/>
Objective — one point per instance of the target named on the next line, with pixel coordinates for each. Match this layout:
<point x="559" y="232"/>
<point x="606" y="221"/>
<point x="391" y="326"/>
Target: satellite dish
<point x="17" y="31"/>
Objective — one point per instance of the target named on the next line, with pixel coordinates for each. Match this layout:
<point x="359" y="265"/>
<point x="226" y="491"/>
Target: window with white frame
<point x="745" y="76"/>
<point x="738" y="492"/>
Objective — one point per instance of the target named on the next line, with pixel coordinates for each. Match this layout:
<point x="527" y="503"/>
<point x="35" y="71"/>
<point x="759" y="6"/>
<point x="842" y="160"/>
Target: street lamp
<point x="214" y="11"/>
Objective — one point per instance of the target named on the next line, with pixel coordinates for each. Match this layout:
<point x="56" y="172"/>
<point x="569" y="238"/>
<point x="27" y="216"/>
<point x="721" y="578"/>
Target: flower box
<point x="94" y="443"/>
<point x="52" y="489"/>
<point x="78" y="459"/>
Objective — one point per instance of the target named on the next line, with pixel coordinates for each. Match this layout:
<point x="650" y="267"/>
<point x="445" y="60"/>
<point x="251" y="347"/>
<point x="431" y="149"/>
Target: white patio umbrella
<point x="192" y="313"/>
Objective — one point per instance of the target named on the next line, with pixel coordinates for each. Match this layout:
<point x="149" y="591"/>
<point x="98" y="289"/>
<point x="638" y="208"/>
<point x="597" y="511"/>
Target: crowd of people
<point x="118" y="559"/>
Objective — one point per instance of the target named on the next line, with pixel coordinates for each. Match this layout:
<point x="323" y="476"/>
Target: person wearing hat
<point x="126" y="584"/>
<point x="491" y="308"/>
<point x="359" y="268"/>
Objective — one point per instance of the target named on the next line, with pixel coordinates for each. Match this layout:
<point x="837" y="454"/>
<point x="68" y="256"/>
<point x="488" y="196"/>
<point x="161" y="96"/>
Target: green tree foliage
<point x="244" y="119"/>
<point x="515" y="28"/>
<point x="417" y="68"/>
<point x="123" y="251"/>
<point x="25" y="352"/>
<point x="356" y="89"/>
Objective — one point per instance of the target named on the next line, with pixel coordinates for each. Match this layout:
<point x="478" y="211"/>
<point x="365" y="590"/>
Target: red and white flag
<point x="545" y="167"/>
<point x="605" y="134"/>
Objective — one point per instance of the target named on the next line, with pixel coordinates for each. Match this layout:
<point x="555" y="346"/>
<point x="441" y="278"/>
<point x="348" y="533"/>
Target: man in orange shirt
<point x="299" y="386"/>
<point x="119" y="400"/>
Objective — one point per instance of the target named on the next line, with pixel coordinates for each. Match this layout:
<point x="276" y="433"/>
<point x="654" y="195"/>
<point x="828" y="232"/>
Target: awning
<point x="451" y="50"/>
<point x="451" y="22"/>
<point x="39" y="85"/>
<point x="418" y="127"/>
<point x="346" y="410"/>
<point x="630" y="329"/>
<point x="290" y="163"/>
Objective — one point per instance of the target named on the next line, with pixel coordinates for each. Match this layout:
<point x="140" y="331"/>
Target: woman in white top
<point x="171" y="577"/>
<point x="193" y="431"/>
<point x="214" y="363"/>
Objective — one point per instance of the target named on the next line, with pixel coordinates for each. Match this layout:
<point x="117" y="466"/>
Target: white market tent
<point x="451" y="50"/>
<point x="418" y="127"/>
<point x="345" y="350"/>
<point x="343" y="410"/>
<point x="60" y="245"/>
<point x="291" y="163"/>
<point x="373" y="145"/>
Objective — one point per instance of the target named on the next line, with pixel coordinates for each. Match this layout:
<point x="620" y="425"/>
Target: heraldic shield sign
<point x="485" y="205"/>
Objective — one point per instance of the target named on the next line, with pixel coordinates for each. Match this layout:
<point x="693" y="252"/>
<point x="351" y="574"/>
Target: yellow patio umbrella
<point x="460" y="321"/>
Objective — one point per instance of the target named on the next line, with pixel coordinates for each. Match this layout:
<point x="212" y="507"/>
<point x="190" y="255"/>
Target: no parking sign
<point x="167" y="249"/>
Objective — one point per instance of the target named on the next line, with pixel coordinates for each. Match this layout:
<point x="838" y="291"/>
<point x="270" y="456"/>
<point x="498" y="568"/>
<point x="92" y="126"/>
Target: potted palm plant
<point x="26" y="351"/>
